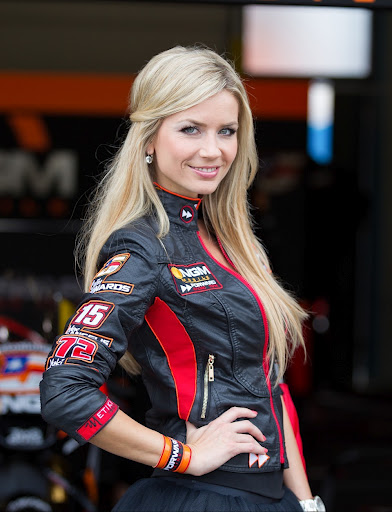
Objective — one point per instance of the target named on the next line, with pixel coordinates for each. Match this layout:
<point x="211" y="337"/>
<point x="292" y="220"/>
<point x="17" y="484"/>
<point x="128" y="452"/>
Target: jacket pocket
<point x="248" y="343"/>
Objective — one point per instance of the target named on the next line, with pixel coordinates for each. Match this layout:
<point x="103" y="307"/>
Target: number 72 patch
<point x="72" y="348"/>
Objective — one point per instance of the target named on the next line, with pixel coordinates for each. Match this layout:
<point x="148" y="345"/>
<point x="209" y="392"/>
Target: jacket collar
<point x="181" y="210"/>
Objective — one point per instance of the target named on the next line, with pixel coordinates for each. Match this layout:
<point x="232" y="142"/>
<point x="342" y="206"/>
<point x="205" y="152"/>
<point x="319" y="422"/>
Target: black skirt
<point x="170" y="495"/>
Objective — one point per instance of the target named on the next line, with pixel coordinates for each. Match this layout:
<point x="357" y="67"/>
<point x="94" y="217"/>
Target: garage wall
<point x="106" y="36"/>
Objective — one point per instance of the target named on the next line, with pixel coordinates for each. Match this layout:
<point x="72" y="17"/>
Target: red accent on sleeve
<point x="104" y="389"/>
<point x="98" y="420"/>
<point x="179" y="351"/>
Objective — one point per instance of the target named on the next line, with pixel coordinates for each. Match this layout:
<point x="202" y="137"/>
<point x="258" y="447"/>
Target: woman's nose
<point x="210" y="148"/>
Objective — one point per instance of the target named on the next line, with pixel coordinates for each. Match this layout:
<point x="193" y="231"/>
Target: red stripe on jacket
<point x="179" y="350"/>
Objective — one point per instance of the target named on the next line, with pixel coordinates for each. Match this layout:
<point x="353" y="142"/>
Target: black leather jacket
<point x="197" y="329"/>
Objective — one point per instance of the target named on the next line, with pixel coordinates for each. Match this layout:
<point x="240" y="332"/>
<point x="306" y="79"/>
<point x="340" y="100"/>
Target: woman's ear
<point x="150" y="149"/>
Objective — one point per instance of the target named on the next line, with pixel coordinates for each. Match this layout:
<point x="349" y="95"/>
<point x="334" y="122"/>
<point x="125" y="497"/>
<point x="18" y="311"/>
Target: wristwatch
<point x="314" y="505"/>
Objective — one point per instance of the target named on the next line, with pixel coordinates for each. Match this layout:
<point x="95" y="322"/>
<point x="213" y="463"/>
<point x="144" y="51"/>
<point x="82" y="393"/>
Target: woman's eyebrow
<point x="199" y="123"/>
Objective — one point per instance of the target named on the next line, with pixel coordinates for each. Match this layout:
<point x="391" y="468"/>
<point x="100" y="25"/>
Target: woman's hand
<point x="216" y="443"/>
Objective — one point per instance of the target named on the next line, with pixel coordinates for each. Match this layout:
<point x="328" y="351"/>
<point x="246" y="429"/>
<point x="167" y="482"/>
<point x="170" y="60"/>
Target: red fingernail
<point x="254" y="411"/>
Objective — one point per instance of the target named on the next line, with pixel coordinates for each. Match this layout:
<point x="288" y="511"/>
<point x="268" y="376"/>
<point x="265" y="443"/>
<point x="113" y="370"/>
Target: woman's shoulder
<point x="139" y="235"/>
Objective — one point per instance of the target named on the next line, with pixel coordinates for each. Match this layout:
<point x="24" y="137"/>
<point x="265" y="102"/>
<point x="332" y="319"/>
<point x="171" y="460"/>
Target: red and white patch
<point x="259" y="458"/>
<point x="72" y="349"/>
<point x="186" y="214"/>
<point x="92" y="314"/>
<point x="113" y="265"/>
<point x="195" y="278"/>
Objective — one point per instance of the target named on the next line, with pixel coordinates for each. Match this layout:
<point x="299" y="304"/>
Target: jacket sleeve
<point x="96" y="336"/>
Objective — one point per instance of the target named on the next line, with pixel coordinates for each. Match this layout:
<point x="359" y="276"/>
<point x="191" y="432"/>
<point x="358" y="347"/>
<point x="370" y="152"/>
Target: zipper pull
<point x="211" y="360"/>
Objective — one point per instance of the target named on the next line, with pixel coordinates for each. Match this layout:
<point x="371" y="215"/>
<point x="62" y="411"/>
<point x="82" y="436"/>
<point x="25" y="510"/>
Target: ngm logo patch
<point x="194" y="278"/>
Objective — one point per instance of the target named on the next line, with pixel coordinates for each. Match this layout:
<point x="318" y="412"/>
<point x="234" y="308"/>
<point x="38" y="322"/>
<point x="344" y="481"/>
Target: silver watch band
<point x="314" y="505"/>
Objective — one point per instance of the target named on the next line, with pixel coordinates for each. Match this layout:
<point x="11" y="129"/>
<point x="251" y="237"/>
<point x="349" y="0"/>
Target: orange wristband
<point x="175" y="456"/>
<point x="166" y="452"/>
<point x="186" y="459"/>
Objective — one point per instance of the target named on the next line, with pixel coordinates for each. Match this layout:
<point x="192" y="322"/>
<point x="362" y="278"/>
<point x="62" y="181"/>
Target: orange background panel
<point x="107" y="95"/>
<point x="49" y="93"/>
<point x="278" y="99"/>
<point x="31" y="131"/>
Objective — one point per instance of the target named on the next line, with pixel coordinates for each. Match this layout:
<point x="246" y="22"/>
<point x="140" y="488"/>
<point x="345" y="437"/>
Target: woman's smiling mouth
<point x="205" y="170"/>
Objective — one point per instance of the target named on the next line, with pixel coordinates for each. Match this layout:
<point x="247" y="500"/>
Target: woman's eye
<point x="227" y="131"/>
<point x="190" y="130"/>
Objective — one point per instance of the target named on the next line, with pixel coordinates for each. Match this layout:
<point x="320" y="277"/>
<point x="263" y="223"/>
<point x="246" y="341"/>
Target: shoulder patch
<point x="113" y="265"/>
<point x="195" y="278"/>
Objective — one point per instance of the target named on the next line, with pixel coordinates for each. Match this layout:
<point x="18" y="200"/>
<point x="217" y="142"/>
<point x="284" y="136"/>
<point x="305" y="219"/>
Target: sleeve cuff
<point x="98" y="420"/>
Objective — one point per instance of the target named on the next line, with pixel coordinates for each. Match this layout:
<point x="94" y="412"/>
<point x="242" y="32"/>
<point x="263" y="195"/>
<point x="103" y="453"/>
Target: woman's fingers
<point x="234" y="413"/>
<point x="222" y="439"/>
<point x="247" y="438"/>
<point x="243" y="427"/>
<point x="229" y="418"/>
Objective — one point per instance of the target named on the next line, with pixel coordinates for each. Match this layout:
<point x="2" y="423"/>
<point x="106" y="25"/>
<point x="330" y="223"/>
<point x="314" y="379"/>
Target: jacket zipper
<point x="208" y="377"/>
<point x="261" y="307"/>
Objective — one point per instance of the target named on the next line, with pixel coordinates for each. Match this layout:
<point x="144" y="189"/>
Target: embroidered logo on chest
<point x="195" y="278"/>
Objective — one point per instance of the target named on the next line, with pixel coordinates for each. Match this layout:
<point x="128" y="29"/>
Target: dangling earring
<point x="149" y="159"/>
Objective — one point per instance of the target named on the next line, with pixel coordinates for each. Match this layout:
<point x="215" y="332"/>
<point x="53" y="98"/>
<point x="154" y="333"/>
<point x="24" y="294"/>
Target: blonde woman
<point x="179" y="289"/>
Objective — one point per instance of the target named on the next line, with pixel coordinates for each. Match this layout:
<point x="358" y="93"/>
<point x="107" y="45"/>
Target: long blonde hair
<point x="173" y="81"/>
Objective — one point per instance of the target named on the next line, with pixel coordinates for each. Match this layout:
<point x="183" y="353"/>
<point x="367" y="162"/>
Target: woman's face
<point x="194" y="149"/>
